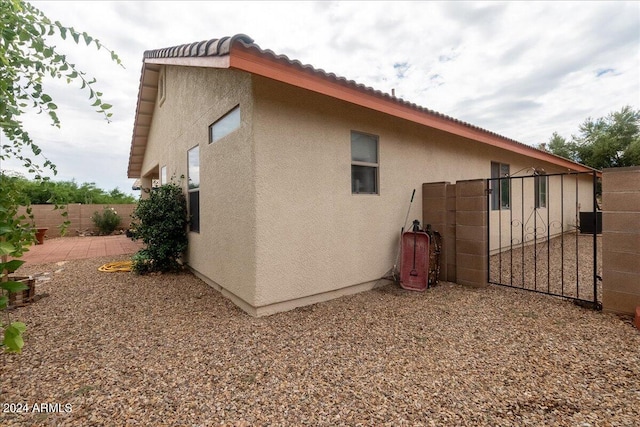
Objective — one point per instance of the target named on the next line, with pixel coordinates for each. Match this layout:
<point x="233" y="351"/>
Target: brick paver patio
<point x="70" y="248"/>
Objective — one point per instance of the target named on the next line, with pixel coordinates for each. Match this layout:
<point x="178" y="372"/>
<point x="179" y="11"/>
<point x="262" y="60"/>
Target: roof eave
<point x="146" y="105"/>
<point x="239" y="52"/>
<point x="251" y="59"/>
<point x="147" y="94"/>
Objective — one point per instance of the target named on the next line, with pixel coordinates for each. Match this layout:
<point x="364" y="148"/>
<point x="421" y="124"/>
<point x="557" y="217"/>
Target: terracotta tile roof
<point x="306" y="68"/>
<point x="213" y="47"/>
<point x="222" y="47"/>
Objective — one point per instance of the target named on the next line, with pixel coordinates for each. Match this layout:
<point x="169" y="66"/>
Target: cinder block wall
<point x="471" y="233"/>
<point x="621" y="239"/>
<point x="459" y="212"/>
<point x="45" y="216"/>
<point x="439" y="210"/>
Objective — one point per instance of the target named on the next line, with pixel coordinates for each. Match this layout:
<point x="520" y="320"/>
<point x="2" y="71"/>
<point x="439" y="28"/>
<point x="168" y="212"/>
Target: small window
<point x="163" y="175"/>
<point x="540" y="190"/>
<point x="225" y="125"/>
<point x="500" y="186"/>
<point x="162" y="87"/>
<point x="193" y="178"/>
<point x="364" y="163"/>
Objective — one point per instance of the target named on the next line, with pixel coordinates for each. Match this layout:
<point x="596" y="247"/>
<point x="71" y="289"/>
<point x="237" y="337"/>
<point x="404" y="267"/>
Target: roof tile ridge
<point x="211" y="47"/>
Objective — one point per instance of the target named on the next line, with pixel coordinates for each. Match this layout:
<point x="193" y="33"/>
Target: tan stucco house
<point x="298" y="181"/>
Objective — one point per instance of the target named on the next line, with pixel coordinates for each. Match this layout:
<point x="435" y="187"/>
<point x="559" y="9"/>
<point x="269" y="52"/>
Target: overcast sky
<point x="520" y="69"/>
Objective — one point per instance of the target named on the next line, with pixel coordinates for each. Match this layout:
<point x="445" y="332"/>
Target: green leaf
<point x="13" y="286"/>
<point x="12" y="265"/>
<point x="24" y="35"/>
<point x="6" y="248"/>
<point x="4" y="301"/>
<point x="21" y="327"/>
<point x="5" y="230"/>
<point x="87" y="38"/>
<point x="13" y="337"/>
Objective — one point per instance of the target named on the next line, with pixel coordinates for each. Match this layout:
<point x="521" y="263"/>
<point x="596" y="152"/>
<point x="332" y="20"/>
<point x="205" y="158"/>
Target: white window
<point x="193" y="178"/>
<point x="540" y="190"/>
<point x="500" y="186"/>
<point x="163" y="175"/>
<point x="364" y="163"/>
<point x="225" y="125"/>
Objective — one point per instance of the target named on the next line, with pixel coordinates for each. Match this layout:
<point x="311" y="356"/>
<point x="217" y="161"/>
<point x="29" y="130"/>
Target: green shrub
<point x="141" y="262"/>
<point x="106" y="221"/>
<point x="160" y="221"/>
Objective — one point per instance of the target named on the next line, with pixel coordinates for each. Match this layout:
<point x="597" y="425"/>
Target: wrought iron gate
<point x="543" y="234"/>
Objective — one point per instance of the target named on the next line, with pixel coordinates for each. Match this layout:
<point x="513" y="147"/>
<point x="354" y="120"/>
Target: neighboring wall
<point x="621" y="239"/>
<point x="45" y="216"/>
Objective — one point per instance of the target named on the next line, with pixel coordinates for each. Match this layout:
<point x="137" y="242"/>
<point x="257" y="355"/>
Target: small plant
<point x="15" y="237"/>
<point x="161" y="223"/>
<point x="141" y="262"/>
<point x="106" y="221"/>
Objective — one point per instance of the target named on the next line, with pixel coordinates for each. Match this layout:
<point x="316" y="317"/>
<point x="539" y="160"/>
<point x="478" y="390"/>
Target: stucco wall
<point x="568" y="195"/>
<point x="223" y="252"/>
<point x="279" y="226"/>
<point x="313" y="235"/>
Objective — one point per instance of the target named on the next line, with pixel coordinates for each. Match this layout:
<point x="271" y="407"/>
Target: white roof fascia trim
<point x="208" y="61"/>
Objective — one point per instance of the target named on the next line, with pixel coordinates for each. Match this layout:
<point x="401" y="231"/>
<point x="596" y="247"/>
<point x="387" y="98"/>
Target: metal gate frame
<point x="514" y="243"/>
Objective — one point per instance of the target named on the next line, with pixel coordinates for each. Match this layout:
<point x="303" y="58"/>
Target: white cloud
<point x="521" y="69"/>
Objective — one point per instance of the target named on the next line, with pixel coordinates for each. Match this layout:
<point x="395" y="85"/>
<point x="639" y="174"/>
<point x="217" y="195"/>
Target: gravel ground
<point x="561" y="266"/>
<point x="120" y="349"/>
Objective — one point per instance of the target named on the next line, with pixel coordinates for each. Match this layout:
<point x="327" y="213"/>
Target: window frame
<point x="500" y="186"/>
<point x="193" y="193"/>
<point x="541" y="191"/>
<point x="360" y="164"/>
<point x="221" y="120"/>
<point x="163" y="175"/>
<point x="162" y="86"/>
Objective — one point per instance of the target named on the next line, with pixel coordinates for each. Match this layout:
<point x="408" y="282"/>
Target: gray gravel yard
<point x="121" y="349"/>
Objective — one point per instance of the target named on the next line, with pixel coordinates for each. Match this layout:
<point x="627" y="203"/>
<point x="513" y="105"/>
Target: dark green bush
<point x="106" y="221"/>
<point x="160" y="221"/>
